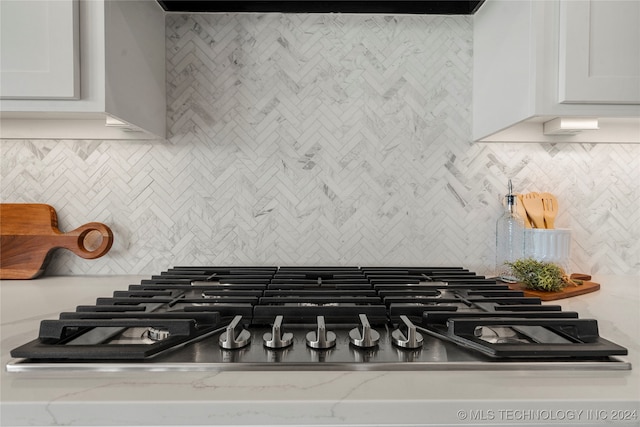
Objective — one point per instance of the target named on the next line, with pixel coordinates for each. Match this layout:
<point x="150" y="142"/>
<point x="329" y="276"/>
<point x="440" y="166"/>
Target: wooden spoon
<point x="550" y="204"/>
<point x="533" y="204"/>
<point x="522" y="211"/>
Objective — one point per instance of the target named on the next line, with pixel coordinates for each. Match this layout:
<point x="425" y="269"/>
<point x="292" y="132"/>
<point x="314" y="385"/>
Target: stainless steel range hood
<point x="425" y="7"/>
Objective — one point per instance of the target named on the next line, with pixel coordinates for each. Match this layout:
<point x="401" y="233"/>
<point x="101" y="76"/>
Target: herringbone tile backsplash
<point x="321" y="139"/>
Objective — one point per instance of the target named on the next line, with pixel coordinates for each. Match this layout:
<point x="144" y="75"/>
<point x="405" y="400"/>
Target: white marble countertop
<point x="579" y="397"/>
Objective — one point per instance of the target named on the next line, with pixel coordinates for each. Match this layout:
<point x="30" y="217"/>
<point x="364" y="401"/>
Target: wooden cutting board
<point x="567" y="292"/>
<point x="29" y="233"/>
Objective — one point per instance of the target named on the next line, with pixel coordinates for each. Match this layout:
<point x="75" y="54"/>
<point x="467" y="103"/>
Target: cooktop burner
<point x="357" y="318"/>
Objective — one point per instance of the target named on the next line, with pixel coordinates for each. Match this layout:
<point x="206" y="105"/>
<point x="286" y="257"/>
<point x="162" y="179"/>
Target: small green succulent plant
<point x="541" y="276"/>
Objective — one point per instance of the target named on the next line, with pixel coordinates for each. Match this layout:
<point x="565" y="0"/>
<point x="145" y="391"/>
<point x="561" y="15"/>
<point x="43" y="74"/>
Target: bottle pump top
<point x="511" y="198"/>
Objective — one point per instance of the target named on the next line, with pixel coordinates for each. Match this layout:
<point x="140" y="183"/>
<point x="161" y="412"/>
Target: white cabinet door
<point x="599" y="52"/>
<point x="39" y="49"/>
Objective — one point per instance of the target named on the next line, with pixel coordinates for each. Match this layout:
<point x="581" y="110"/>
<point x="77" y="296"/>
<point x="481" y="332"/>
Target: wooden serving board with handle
<point x="29" y="233"/>
<point x="568" y="291"/>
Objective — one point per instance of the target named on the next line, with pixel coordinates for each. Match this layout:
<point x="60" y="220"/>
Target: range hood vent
<point x="425" y="7"/>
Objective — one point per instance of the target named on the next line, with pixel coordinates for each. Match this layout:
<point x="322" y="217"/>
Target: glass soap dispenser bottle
<point x="510" y="238"/>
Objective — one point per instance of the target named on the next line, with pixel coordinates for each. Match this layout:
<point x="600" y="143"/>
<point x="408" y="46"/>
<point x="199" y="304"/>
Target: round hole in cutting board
<point x="92" y="240"/>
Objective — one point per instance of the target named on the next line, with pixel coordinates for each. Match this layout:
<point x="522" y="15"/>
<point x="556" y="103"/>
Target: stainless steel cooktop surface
<point x="317" y="318"/>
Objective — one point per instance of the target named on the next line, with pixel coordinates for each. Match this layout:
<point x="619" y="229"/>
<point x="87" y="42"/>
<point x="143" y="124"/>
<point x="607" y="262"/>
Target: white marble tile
<point x="321" y="139"/>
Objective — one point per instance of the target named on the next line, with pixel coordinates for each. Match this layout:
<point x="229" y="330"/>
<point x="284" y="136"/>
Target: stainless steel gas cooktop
<point x="317" y="318"/>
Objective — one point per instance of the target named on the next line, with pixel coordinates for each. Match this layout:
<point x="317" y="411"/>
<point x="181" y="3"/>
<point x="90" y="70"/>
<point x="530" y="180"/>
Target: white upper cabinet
<point x="39" y="45"/>
<point x="574" y="65"/>
<point x="600" y="52"/>
<point x="118" y="90"/>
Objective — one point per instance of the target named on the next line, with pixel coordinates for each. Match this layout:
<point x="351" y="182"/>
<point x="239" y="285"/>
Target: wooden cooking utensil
<point x="550" y="204"/>
<point x="522" y="211"/>
<point x="29" y="232"/>
<point x="533" y="204"/>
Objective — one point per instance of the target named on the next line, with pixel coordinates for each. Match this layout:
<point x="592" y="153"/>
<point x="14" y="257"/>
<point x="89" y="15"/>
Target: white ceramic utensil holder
<point x="547" y="245"/>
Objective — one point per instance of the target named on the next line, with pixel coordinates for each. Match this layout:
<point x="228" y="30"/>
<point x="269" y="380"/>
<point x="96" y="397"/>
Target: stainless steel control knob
<point x="235" y="336"/>
<point x="321" y="339"/>
<point x="406" y="335"/>
<point x="275" y="339"/>
<point x="364" y="336"/>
